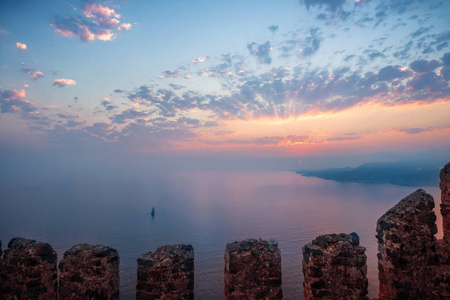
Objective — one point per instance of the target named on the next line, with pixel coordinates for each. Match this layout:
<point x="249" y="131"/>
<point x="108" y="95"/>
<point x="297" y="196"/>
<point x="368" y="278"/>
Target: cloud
<point x="422" y="66"/>
<point x="200" y="59"/>
<point x="429" y="82"/>
<point x="302" y="47"/>
<point x="128" y="115"/>
<point x="69" y="116"/>
<point x="261" y="51"/>
<point x="33" y="73"/>
<point x="98" y="22"/>
<point x="373" y="54"/>
<point x="106" y="102"/>
<point x="62" y="82"/>
<point x="14" y="101"/>
<point x="421" y="31"/>
<point x="392" y="72"/>
<point x="284" y="93"/>
<point x="72" y="123"/>
<point x="311" y="43"/>
<point x="417" y="130"/>
<point x="188" y="121"/>
<point x="263" y="141"/>
<point x="344" y="138"/>
<point x="96" y="10"/>
<point x="330" y="5"/>
<point x="124" y="26"/>
<point x="21" y="46"/>
<point x="273" y="28"/>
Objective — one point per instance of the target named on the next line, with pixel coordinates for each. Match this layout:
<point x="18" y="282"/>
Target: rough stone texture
<point x="335" y="267"/>
<point x="167" y="273"/>
<point x="445" y="200"/>
<point x="440" y="271"/>
<point x="253" y="270"/>
<point x="28" y="270"/>
<point x="407" y="248"/>
<point x="89" y="272"/>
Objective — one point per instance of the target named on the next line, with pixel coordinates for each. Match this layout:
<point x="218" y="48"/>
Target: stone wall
<point x="167" y="273"/>
<point x="410" y="259"/>
<point x="89" y="272"/>
<point x="335" y="267"/>
<point x="253" y="270"/>
<point x="445" y="200"/>
<point x="28" y="270"/>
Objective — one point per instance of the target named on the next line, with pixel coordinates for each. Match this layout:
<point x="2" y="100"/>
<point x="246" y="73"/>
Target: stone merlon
<point x="89" y="272"/>
<point x="407" y="248"/>
<point x="167" y="273"/>
<point x="334" y="266"/>
<point x="253" y="270"/>
<point x="28" y="270"/>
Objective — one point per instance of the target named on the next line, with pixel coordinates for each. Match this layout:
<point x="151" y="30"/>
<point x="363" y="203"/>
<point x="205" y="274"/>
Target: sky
<point x="259" y="78"/>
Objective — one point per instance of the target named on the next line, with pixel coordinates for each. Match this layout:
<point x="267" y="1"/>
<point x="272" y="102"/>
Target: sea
<point x="206" y="209"/>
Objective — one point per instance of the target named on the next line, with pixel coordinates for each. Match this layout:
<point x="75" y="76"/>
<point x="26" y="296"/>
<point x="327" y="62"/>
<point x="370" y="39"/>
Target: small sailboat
<point x="153" y="212"/>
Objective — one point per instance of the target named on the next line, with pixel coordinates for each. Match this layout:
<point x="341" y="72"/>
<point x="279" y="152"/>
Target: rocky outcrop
<point x="445" y="200"/>
<point x="167" y="273"/>
<point x="407" y="248"/>
<point x="28" y="270"/>
<point x="253" y="270"/>
<point x="89" y="272"/>
<point x="334" y="266"/>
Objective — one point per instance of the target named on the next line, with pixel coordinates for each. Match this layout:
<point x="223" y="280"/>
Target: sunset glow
<point x="326" y="77"/>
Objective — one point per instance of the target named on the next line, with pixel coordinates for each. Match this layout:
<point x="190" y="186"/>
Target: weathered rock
<point x="445" y="200"/>
<point x="440" y="271"/>
<point x="89" y="272"/>
<point x="334" y="266"/>
<point x="167" y="273"/>
<point x="253" y="270"/>
<point x="28" y="270"/>
<point x="407" y="248"/>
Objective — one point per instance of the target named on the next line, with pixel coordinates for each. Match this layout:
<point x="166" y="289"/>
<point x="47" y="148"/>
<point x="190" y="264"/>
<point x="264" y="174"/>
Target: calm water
<point x="206" y="209"/>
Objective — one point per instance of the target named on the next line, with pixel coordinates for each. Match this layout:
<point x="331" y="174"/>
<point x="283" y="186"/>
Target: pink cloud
<point x="97" y="22"/>
<point x="62" y="82"/>
<point x="96" y="10"/>
<point x="33" y="73"/>
<point x="200" y="59"/>
<point x="14" y="100"/>
<point x="124" y="26"/>
<point x="21" y="46"/>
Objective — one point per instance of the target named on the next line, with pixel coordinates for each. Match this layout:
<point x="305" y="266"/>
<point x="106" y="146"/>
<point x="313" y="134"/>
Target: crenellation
<point x="167" y="273"/>
<point x="28" y="270"/>
<point x="334" y="267"/>
<point x="89" y="272"/>
<point x="253" y="270"/>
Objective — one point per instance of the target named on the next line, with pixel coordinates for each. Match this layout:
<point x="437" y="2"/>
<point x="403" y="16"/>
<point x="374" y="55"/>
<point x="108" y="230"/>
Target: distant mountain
<point x="404" y="173"/>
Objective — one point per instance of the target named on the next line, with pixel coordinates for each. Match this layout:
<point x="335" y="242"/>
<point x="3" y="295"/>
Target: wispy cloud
<point x="32" y="72"/>
<point x="261" y="51"/>
<point x="200" y="59"/>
